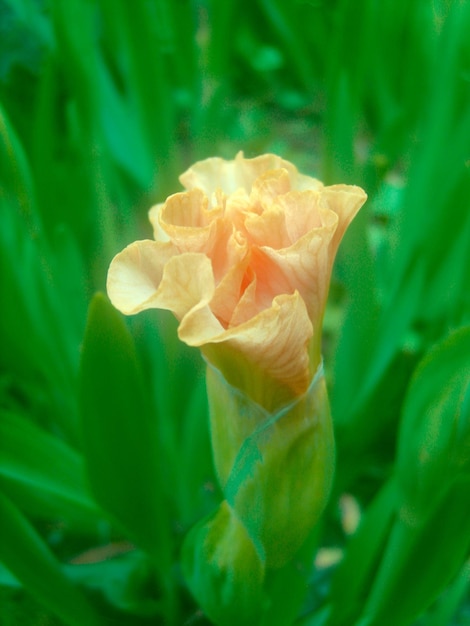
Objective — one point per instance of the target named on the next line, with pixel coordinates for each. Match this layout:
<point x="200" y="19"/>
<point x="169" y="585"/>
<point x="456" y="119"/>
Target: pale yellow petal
<point x="269" y="228"/>
<point x="186" y="289"/>
<point x="267" y="356"/>
<point x="230" y="176"/>
<point x="135" y="274"/>
<point x="302" y="210"/>
<point x="186" y="220"/>
<point x="154" y="217"/>
<point x="305" y="266"/>
<point x="301" y="182"/>
<point x="269" y="186"/>
<point x="345" y="201"/>
<point x="188" y="209"/>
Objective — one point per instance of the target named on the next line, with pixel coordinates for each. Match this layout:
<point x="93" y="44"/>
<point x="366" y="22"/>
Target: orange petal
<point x="305" y="266"/>
<point x="302" y="212"/>
<point x="267" y="356"/>
<point x="269" y="228"/>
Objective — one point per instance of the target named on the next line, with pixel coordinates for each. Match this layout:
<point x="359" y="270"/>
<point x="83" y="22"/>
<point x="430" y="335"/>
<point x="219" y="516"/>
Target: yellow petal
<point x="305" y="266"/>
<point x="302" y="210"/>
<point x="269" y="186"/>
<point x="186" y="220"/>
<point x="135" y="274"/>
<point x="230" y="176"/>
<point x="243" y="258"/>
<point x="267" y="356"/>
<point x="345" y="201"/>
<point x="269" y="228"/>
<point x="187" y="285"/>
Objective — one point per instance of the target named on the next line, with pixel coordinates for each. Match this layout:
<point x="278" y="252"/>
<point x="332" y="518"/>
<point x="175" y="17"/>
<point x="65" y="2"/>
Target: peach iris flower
<point x="243" y="259"/>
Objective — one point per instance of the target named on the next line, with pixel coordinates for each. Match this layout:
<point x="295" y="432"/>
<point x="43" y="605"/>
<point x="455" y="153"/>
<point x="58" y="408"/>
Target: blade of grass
<point x="410" y="563"/>
<point x="450" y="600"/>
<point x="29" y="559"/>
<point x="46" y="472"/>
<point x="120" y="439"/>
<point x="355" y="573"/>
<point x="433" y="473"/>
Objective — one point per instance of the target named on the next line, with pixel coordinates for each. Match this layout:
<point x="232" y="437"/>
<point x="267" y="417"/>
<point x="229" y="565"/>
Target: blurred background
<point x="103" y="425"/>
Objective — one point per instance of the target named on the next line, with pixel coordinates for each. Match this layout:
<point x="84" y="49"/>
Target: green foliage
<point x="429" y="496"/>
<point x="26" y="555"/>
<point x="120" y="441"/>
<point x="103" y="423"/>
<point x="43" y="473"/>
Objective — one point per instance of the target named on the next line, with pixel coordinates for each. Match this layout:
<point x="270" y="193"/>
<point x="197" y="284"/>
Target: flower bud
<point x="275" y="469"/>
<point x="243" y="258"/>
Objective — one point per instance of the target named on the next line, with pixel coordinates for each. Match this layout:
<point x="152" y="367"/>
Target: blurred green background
<point x="105" y="460"/>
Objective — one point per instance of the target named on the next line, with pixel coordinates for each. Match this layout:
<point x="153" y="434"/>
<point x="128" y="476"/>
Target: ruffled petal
<point x="186" y="219"/>
<point x="187" y="286"/>
<point x="227" y="292"/>
<point x="345" y="201"/>
<point x="243" y="259"/>
<point x="269" y="228"/>
<point x="135" y="274"/>
<point x="302" y="212"/>
<point x="272" y="346"/>
<point x="230" y="176"/>
<point x="305" y="266"/>
<point x="269" y="186"/>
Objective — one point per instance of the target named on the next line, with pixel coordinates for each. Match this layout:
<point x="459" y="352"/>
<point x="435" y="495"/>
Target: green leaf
<point x="434" y="440"/>
<point x="124" y="580"/>
<point x="42" y="474"/>
<point x="17" y="180"/>
<point x="448" y="603"/>
<point x="287" y="586"/>
<point x="430" y="538"/>
<point x="198" y="492"/>
<point x="30" y="561"/>
<point x="119" y="433"/>
<point x="423" y="559"/>
<point x="355" y="573"/>
<point x="7" y="579"/>
<point x="224" y="570"/>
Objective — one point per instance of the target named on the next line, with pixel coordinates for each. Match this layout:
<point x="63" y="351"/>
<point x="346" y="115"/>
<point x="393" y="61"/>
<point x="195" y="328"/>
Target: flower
<point x="243" y="259"/>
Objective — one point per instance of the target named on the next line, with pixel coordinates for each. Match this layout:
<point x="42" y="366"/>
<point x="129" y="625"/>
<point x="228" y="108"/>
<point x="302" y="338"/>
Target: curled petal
<point x="302" y="212"/>
<point x="269" y="228"/>
<point x="305" y="266"/>
<point x="267" y="356"/>
<point x="187" y="286"/>
<point x="269" y="186"/>
<point x="135" y="274"/>
<point x="186" y="220"/>
<point x="227" y="292"/>
<point x="345" y="201"/>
